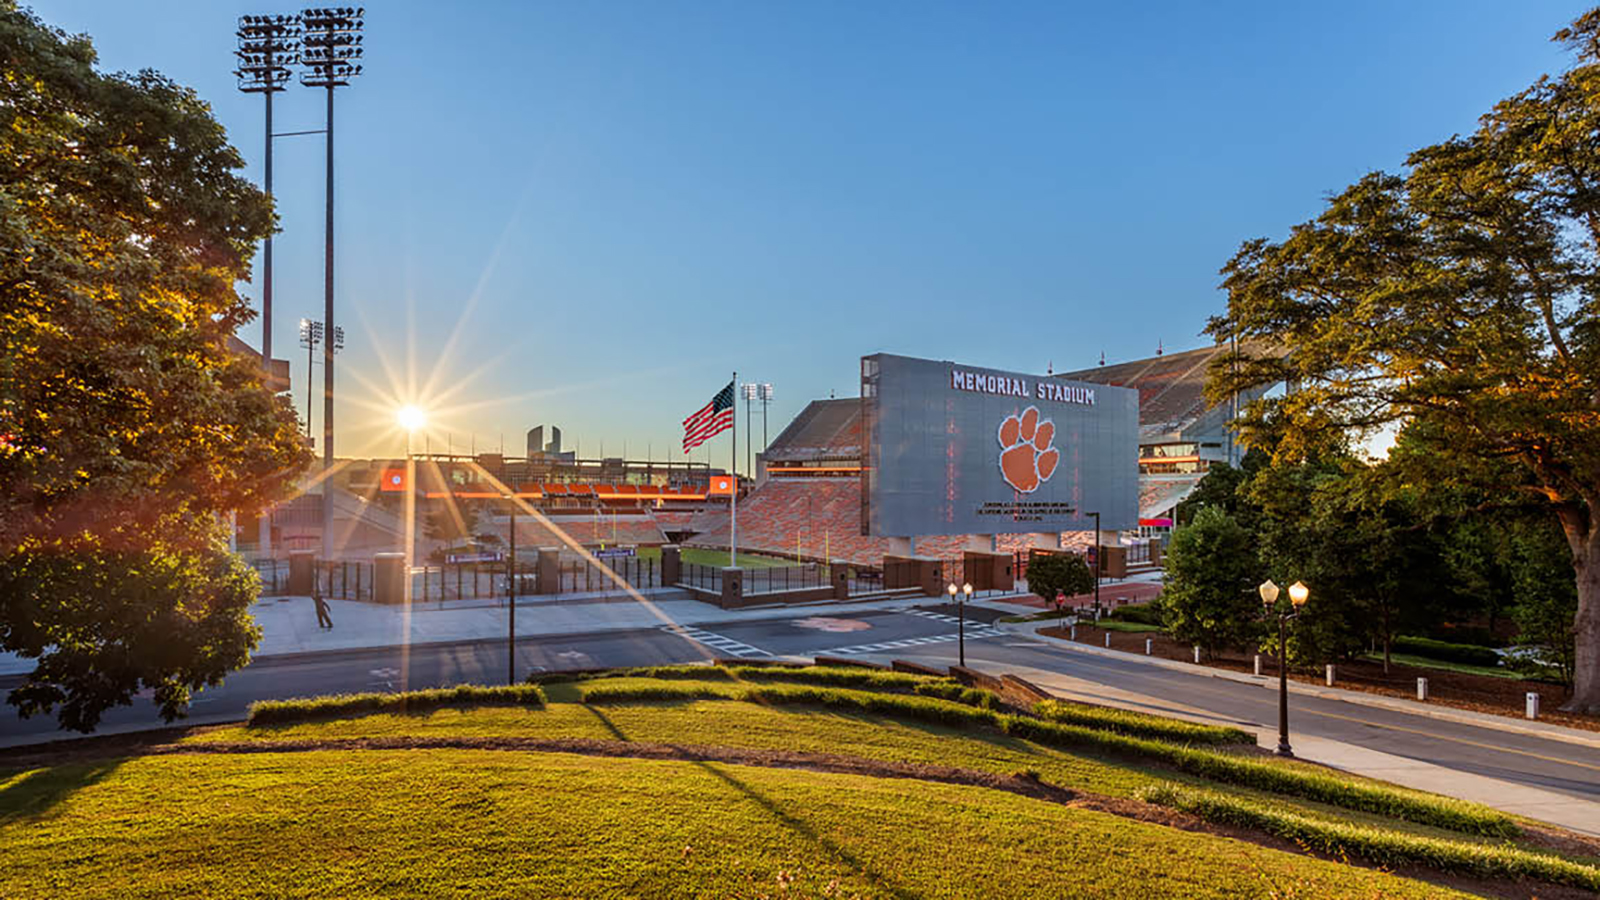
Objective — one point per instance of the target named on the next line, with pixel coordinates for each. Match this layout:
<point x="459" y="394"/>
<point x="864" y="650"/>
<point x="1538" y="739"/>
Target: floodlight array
<point x="330" y="45"/>
<point x="268" y="46"/>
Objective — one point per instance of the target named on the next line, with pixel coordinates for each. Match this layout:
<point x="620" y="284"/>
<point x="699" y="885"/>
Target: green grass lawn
<point x="470" y="823"/>
<point x="702" y="556"/>
<point x="1423" y="662"/>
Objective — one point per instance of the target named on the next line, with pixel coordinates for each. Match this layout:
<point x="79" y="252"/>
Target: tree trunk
<point x="1586" y="625"/>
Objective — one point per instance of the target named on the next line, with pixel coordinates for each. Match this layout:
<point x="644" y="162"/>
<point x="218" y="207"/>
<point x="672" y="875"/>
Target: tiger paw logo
<point x="1026" y="458"/>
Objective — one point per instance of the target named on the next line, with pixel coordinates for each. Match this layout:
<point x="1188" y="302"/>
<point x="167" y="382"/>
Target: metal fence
<point x="580" y="575"/>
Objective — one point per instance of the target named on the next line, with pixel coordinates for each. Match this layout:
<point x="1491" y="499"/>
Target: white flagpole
<point x="733" y="467"/>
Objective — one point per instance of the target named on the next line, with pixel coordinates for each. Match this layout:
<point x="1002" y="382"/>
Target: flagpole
<point x="733" y="467"/>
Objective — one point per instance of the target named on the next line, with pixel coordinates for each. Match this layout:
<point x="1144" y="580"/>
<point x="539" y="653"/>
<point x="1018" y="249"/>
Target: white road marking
<point x="719" y="642"/>
<point x="973" y="635"/>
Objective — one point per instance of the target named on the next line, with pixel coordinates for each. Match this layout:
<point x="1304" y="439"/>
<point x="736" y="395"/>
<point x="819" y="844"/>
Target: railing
<point x="580" y="575"/>
<point x="778" y="579"/>
<point x="706" y="578"/>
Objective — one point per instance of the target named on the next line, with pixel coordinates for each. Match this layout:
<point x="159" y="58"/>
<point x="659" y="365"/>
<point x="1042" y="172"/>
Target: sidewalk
<point x="289" y="624"/>
<point x="1546" y="806"/>
<point x="1363" y="698"/>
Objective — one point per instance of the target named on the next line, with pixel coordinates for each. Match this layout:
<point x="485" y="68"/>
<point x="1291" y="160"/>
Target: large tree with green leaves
<point x="128" y="430"/>
<point x="1463" y="294"/>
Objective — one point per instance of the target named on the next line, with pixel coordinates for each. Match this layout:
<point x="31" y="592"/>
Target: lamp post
<point x="1098" y="563"/>
<point x="1298" y="594"/>
<point x="961" y="636"/>
<point x="410" y="418"/>
<point x="330" y="41"/>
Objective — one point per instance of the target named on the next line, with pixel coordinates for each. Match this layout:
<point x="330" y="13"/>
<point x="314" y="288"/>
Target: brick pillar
<point x="732" y="587"/>
<point x="671" y="566"/>
<point x="549" y="571"/>
<point x="841" y="580"/>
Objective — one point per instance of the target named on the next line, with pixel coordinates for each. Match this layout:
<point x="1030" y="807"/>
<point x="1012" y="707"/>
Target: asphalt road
<point x="926" y="635"/>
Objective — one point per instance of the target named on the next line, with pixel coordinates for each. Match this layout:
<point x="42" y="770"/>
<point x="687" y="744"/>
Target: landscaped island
<point x="739" y="781"/>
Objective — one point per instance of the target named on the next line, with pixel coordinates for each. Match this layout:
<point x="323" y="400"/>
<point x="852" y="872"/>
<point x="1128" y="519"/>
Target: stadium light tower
<point x="330" y="42"/>
<point x="750" y="391"/>
<point x="764" y="391"/>
<point x="268" y="46"/>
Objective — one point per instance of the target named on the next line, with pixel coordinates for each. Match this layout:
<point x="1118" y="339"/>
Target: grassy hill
<point x="737" y="782"/>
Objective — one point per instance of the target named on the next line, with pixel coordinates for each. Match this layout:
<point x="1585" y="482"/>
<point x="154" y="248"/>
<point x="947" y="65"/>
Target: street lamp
<point x="412" y="419"/>
<point x="1097" y="564"/>
<point x="961" y="616"/>
<point x="1298" y="594"/>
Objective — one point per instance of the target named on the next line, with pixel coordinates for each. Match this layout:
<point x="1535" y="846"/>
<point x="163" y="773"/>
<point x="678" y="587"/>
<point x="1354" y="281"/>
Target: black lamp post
<point x="1298" y="593"/>
<point x="1099" y="564"/>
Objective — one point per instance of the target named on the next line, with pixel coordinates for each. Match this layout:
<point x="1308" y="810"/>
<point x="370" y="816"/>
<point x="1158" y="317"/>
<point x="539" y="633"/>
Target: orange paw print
<point x="1026" y="459"/>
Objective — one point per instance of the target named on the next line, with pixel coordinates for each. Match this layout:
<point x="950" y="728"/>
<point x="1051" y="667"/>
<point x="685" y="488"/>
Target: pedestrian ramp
<point x="716" y="641"/>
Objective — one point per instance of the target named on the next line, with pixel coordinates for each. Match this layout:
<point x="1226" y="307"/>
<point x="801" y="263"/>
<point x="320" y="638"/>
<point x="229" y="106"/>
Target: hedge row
<point x="1441" y="812"/>
<point x="1139" y="725"/>
<point x="1444" y="651"/>
<point x="835" y="676"/>
<point x="268" y="712"/>
<point x="1385" y="848"/>
<point x="1139" y="613"/>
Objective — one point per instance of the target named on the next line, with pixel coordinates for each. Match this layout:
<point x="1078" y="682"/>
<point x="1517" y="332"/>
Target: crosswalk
<point x="975" y="631"/>
<point x="716" y="641"/>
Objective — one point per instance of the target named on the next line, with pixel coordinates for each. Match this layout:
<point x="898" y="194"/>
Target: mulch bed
<point x="1478" y="693"/>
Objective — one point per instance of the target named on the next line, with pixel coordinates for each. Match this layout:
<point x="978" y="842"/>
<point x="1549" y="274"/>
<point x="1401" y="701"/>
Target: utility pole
<point x="331" y="39"/>
<point x="268" y="46"/>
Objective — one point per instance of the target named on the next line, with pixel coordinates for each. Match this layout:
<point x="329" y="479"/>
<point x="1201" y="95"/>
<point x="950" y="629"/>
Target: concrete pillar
<point x="1149" y="647"/>
<point x="1072" y="633"/>
<point x="389" y="578"/>
<point x="1258" y="664"/>
<point x="732" y="587"/>
<point x="671" y="566"/>
<point x="1330" y="675"/>
<point x="1422" y="688"/>
<point x="1532" y="710"/>
<point x="1197" y="654"/>
<point x="1108" y="640"/>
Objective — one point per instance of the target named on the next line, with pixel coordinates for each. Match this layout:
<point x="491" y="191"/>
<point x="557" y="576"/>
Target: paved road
<point x="485" y="663"/>
<point x="925" y="635"/>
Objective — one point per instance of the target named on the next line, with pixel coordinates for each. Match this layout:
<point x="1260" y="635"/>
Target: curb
<point x="1360" y="698"/>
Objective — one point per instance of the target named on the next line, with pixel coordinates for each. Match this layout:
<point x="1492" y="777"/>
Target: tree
<point x="1065" y="573"/>
<point x="128" y="430"/>
<point x="1222" y="486"/>
<point x="1545" y="603"/>
<point x="1210" y="598"/>
<point x="1463" y="294"/>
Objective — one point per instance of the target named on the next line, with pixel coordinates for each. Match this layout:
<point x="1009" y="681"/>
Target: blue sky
<point x="588" y="214"/>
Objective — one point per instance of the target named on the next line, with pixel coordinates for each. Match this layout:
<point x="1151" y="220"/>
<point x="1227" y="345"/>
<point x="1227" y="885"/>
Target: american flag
<point x="711" y="420"/>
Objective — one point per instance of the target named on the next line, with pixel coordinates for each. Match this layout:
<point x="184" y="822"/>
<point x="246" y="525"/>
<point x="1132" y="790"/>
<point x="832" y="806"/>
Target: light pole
<point x="268" y="46"/>
<point x="765" y="393"/>
<point x="310" y="337"/>
<point x="411" y="419"/>
<point x="330" y="40"/>
<point x="1298" y="593"/>
<point x="750" y="390"/>
<point x="1097" y="564"/>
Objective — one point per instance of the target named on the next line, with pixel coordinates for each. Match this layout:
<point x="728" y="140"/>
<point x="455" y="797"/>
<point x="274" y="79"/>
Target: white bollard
<point x="1258" y="664"/>
<point x="1422" y="688"/>
<point x="1149" y="645"/>
<point x="1533" y="705"/>
<point x="1330" y="674"/>
<point x="1073" y="634"/>
<point x="1197" y="654"/>
<point x="1108" y="640"/>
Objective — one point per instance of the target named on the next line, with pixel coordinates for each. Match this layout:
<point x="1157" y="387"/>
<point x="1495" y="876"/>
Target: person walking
<point x="323" y="619"/>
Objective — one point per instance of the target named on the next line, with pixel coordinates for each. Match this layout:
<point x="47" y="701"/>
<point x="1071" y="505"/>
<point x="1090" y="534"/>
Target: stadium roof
<point x="825" y="429"/>
<point x="1171" y="386"/>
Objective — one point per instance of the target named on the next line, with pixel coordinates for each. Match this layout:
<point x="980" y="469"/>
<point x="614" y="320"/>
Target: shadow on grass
<point x="802" y="828"/>
<point x="34" y="793"/>
<point x="606" y="721"/>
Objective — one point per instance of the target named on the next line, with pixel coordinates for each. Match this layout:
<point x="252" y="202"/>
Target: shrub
<point x="1385" y="848"/>
<point x="969" y="696"/>
<point x="1065" y="573"/>
<point x="1139" y="614"/>
<point x="1139" y="725"/>
<point x="1210" y="596"/>
<point x="635" y="693"/>
<point x="1465" y="654"/>
<point x="267" y="712"/>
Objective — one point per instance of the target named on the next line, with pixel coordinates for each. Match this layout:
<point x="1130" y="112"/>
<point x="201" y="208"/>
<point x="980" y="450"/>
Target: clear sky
<point x="588" y="214"/>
